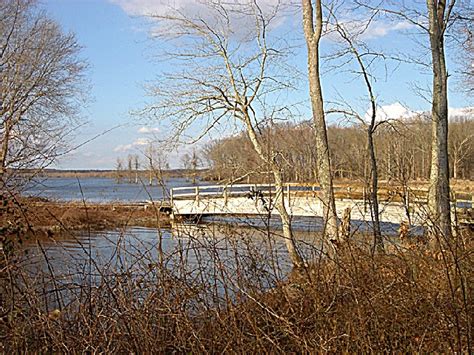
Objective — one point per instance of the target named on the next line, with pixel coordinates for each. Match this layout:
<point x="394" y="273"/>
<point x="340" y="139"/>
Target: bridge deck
<point x="300" y="200"/>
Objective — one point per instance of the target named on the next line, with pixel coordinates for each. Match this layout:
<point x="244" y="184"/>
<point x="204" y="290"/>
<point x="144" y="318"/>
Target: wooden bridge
<point x="300" y="200"/>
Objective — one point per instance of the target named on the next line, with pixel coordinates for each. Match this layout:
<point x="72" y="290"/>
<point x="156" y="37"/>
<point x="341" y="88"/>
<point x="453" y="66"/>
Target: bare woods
<point x="403" y="151"/>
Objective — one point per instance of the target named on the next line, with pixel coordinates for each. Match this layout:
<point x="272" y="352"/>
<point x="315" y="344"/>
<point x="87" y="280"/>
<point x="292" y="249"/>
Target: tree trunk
<point x="313" y="36"/>
<point x="279" y="198"/>
<point x="455" y="168"/>
<point x="4" y="148"/>
<point x="438" y="198"/>
<point x="374" y="202"/>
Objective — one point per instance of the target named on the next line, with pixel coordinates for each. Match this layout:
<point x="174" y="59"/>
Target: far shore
<point x="112" y="174"/>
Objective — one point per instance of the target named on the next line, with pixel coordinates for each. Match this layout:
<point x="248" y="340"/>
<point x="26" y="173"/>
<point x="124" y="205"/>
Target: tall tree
<point x="439" y="199"/>
<point x="157" y="162"/>
<point x="435" y="19"/>
<point x="119" y="171"/>
<point x="41" y="78"/>
<point x="364" y="58"/>
<point x="130" y="168"/>
<point x="226" y="71"/>
<point x="136" y="165"/>
<point x="313" y="26"/>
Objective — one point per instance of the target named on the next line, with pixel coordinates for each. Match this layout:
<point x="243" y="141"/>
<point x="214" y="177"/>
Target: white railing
<point x="226" y="191"/>
<point x="235" y="190"/>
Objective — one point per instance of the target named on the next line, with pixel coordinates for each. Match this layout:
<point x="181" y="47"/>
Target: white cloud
<point x="461" y="112"/>
<point x="362" y="29"/>
<point x="355" y="23"/>
<point x="379" y="29"/>
<point x="138" y="143"/>
<point x="163" y="7"/>
<point x="123" y="148"/>
<point x="392" y="112"/>
<point x="239" y="23"/>
<point x="151" y="7"/>
<point x="141" y="142"/>
<point x="146" y="130"/>
<point x="396" y="111"/>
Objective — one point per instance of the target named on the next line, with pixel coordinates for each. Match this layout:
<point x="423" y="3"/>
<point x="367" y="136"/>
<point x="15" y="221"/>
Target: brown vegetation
<point x="408" y="300"/>
<point x="24" y="216"/>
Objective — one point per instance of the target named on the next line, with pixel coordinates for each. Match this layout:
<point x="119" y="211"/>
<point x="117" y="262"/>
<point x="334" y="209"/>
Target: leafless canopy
<point x="228" y="68"/>
<point x="222" y="64"/>
<point x="41" y="84"/>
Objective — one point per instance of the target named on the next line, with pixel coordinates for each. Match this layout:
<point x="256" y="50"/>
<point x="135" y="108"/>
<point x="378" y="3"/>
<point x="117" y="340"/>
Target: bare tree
<point x="313" y="25"/>
<point x="130" y="168"/>
<point x="191" y="163"/>
<point x="365" y="59"/>
<point x="439" y="197"/>
<point x="401" y="148"/>
<point x="186" y="160"/>
<point x="157" y="161"/>
<point x="41" y="78"/>
<point x="226" y="74"/>
<point x="461" y="144"/>
<point x="136" y="165"/>
<point x="435" y="21"/>
<point x="195" y="161"/>
<point x="119" y="171"/>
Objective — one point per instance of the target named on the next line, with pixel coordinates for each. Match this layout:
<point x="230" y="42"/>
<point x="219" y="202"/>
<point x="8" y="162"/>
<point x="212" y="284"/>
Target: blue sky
<point x="117" y="47"/>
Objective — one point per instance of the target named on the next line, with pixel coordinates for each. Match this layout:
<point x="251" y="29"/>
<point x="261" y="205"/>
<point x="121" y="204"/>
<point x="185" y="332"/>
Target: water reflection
<point x="190" y="244"/>
<point x="304" y="225"/>
<point x="219" y="259"/>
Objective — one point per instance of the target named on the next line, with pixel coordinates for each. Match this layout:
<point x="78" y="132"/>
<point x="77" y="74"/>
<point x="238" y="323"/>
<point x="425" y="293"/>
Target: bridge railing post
<point x="364" y="196"/>
<point x="226" y="196"/>
<point x="288" y="193"/>
<point x="197" y="194"/>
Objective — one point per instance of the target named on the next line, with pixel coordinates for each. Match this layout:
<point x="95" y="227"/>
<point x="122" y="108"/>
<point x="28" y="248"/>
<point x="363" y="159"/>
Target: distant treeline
<point x="112" y="174"/>
<point x="403" y="150"/>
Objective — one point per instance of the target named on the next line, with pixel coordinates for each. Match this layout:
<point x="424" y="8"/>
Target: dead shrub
<point x="231" y="299"/>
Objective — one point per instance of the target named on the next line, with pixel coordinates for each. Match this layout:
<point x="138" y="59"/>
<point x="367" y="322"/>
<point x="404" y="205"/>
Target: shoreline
<point x="42" y="217"/>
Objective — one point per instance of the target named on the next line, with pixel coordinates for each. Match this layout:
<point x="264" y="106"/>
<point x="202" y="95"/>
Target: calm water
<point x="217" y="253"/>
<point x="217" y="260"/>
<point x="100" y="189"/>
<point x="189" y="244"/>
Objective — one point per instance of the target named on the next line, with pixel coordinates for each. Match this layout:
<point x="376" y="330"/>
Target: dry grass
<point x="25" y="215"/>
<point x="231" y="298"/>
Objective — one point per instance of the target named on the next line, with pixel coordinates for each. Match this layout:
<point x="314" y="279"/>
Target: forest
<point x="403" y="150"/>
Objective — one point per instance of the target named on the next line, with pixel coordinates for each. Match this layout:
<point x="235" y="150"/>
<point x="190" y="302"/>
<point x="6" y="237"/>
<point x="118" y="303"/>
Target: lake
<point x="100" y="189"/>
<point x="219" y="260"/>
<point x="220" y="253"/>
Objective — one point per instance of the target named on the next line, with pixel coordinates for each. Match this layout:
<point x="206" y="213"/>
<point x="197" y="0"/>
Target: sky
<point x="122" y="60"/>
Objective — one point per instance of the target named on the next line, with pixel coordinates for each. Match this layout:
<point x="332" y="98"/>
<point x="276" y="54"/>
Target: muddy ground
<point x="42" y="216"/>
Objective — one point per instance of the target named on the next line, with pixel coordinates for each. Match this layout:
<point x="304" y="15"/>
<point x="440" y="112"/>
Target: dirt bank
<point x="21" y="215"/>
